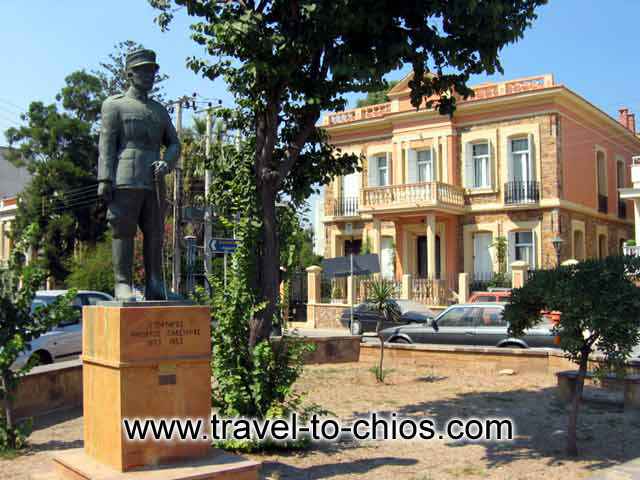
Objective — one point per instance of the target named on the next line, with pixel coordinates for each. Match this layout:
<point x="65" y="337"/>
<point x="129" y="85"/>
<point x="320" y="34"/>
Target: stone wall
<point x="325" y="315"/>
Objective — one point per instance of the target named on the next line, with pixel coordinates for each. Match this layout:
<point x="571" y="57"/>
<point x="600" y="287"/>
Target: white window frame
<point x="524" y="157"/>
<point x="483" y="158"/>
<point x="530" y="245"/>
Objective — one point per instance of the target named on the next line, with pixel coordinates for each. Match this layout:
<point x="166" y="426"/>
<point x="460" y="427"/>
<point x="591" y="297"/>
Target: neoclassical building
<point x="528" y="160"/>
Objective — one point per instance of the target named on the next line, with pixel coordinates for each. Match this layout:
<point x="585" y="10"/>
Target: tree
<point x="287" y="61"/>
<point x="380" y="299"/>
<point x="19" y="326"/>
<point x="93" y="269"/>
<point x="376" y="96"/>
<point x="599" y="305"/>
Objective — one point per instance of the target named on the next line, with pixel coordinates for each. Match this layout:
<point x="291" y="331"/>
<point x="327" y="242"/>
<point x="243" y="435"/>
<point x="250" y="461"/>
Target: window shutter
<point x="389" y="169"/>
<point x="511" y="247"/>
<point x="413" y="166"/>
<point x="534" y="253"/>
<point x="532" y="157"/>
<point x="490" y="174"/>
<point x="373" y="171"/>
<point x="468" y="165"/>
<point x="509" y="161"/>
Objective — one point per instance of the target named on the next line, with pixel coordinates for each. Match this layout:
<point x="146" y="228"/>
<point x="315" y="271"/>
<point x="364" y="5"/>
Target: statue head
<point x="141" y="68"/>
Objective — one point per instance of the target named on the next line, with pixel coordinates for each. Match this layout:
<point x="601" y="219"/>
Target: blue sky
<point x="589" y="45"/>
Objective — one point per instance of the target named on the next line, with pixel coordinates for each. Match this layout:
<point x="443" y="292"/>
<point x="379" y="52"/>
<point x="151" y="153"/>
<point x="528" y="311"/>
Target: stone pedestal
<point x="145" y="360"/>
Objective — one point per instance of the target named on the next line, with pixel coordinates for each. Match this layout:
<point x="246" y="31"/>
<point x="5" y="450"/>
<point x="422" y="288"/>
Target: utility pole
<point x="208" y="254"/>
<point x="177" y="208"/>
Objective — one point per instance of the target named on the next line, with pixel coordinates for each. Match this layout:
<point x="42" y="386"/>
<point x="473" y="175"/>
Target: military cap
<point x="142" y="56"/>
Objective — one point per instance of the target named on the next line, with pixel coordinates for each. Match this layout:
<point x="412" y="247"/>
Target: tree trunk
<point x="572" y="429"/>
<point x="380" y="376"/>
<point x="8" y="412"/>
<point x="269" y="268"/>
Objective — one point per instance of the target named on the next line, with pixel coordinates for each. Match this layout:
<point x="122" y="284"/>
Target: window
<point x="523" y="247"/>
<point x="601" y="166"/>
<point x="520" y="155"/>
<point x="480" y="160"/>
<point x="425" y="166"/>
<point x="459" y="317"/>
<point x="383" y="171"/>
<point x="492" y="317"/>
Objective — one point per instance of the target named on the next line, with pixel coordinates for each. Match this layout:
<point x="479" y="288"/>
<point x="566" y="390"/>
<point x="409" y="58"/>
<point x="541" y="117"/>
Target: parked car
<point x="365" y="319"/>
<point x="472" y="324"/>
<point x="491" y="295"/>
<point x="64" y="341"/>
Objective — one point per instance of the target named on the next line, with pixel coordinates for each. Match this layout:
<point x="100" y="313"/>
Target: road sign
<point x="223" y="245"/>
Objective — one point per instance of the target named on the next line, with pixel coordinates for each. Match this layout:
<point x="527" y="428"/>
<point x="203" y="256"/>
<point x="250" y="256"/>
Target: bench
<point x="630" y="385"/>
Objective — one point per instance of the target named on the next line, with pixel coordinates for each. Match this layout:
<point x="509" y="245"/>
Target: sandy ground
<point x="607" y="435"/>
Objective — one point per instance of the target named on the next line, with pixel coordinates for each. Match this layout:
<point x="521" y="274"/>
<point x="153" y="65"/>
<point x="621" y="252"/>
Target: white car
<point x="64" y="341"/>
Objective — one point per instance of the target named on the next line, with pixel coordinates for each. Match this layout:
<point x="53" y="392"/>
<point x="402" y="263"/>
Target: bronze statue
<point x="131" y="174"/>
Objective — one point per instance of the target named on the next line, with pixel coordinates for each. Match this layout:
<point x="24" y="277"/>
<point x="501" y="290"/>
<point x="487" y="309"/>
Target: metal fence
<point x="481" y="281"/>
<point x="440" y="290"/>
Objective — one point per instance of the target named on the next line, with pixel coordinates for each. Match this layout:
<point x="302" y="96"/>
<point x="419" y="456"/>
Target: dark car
<point x="365" y="319"/>
<point x="472" y="324"/>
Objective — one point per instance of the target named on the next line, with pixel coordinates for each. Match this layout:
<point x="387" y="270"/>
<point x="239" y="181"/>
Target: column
<point x="519" y="271"/>
<point x="377" y="239"/>
<point x="314" y="292"/>
<point x="406" y="286"/>
<point x="463" y="287"/>
<point x="636" y="215"/>
<point x="431" y="245"/>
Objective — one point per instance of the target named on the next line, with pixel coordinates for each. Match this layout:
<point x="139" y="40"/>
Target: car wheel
<point x="400" y="340"/>
<point x="356" y="328"/>
<point x="40" y="358"/>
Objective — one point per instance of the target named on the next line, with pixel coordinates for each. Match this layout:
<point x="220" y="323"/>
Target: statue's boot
<point x="154" y="280"/>
<point x="122" y="249"/>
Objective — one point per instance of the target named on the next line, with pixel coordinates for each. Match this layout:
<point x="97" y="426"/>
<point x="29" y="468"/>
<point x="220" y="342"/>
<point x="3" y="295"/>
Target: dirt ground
<point x="607" y="435"/>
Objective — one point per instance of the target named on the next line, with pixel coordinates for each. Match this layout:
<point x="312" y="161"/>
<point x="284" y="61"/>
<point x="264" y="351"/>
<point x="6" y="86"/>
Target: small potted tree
<point x="337" y="294"/>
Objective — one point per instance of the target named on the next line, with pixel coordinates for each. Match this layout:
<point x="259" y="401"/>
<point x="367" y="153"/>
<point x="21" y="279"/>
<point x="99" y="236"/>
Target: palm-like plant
<point x="381" y="299"/>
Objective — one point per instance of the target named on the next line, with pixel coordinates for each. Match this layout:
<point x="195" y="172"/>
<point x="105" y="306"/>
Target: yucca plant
<point x="381" y="299"/>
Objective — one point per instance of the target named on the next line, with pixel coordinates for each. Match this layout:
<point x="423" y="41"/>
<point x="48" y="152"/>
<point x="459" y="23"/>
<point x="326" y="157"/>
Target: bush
<point x="93" y="270"/>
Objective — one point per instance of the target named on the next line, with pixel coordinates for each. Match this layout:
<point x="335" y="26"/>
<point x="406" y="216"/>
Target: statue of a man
<point x="131" y="174"/>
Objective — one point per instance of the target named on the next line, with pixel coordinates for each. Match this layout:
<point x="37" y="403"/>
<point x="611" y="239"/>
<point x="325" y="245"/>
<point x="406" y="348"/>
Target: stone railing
<point x="413" y="194"/>
<point x="362" y="113"/>
<point x="341" y="207"/>
<point x="431" y="291"/>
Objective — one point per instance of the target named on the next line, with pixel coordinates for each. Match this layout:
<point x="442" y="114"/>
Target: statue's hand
<point x="160" y="167"/>
<point x="105" y="191"/>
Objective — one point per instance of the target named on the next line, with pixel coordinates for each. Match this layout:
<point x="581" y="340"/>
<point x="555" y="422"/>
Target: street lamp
<point x="557" y="245"/>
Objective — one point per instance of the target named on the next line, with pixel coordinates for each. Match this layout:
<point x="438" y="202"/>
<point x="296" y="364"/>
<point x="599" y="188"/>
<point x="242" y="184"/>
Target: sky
<point x="588" y="45"/>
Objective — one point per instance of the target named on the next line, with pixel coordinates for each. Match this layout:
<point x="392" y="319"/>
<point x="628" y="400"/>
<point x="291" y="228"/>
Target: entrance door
<point x="386" y="258"/>
<point x="482" y="265"/>
<point x="352" y="246"/>
<point x="422" y="257"/>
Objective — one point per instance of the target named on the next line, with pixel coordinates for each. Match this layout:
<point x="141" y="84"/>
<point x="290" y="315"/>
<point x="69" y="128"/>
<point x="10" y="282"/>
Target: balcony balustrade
<point x="412" y="195"/>
<point x="341" y="207"/>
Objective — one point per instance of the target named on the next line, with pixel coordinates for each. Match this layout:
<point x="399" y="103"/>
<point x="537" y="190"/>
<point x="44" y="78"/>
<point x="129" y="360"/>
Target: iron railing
<point x="518" y="192"/>
<point x="622" y="209"/>
<point x="603" y="200"/>
<point x="481" y="281"/>
<point x="342" y="207"/>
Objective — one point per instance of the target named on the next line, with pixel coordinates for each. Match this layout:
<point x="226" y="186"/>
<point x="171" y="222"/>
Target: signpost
<point x="224" y="246"/>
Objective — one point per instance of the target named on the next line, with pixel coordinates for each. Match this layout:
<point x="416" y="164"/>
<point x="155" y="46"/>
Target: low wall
<point x="334" y="350"/>
<point x="49" y="388"/>
<point x="489" y="359"/>
<point x="325" y="315"/>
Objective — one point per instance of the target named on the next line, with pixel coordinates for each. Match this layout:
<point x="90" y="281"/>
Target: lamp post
<point x="557" y="246"/>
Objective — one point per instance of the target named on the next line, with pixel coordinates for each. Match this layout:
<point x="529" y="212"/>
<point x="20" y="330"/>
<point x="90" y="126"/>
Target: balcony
<point x="341" y="207"/>
<point x="603" y="200"/>
<point x="410" y="196"/>
<point x="520" y="192"/>
<point x="622" y="209"/>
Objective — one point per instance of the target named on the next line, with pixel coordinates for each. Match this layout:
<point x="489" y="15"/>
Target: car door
<point x="67" y="338"/>
<point x="455" y="326"/>
<point x="492" y="327"/>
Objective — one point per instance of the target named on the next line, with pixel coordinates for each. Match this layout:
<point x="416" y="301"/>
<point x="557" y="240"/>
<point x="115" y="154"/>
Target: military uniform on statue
<point x="150" y="359"/>
<point x="131" y="174"/>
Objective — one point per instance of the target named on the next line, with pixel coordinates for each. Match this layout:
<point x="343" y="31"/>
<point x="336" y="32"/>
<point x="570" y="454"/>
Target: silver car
<point x="472" y="324"/>
<point x="64" y="341"/>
